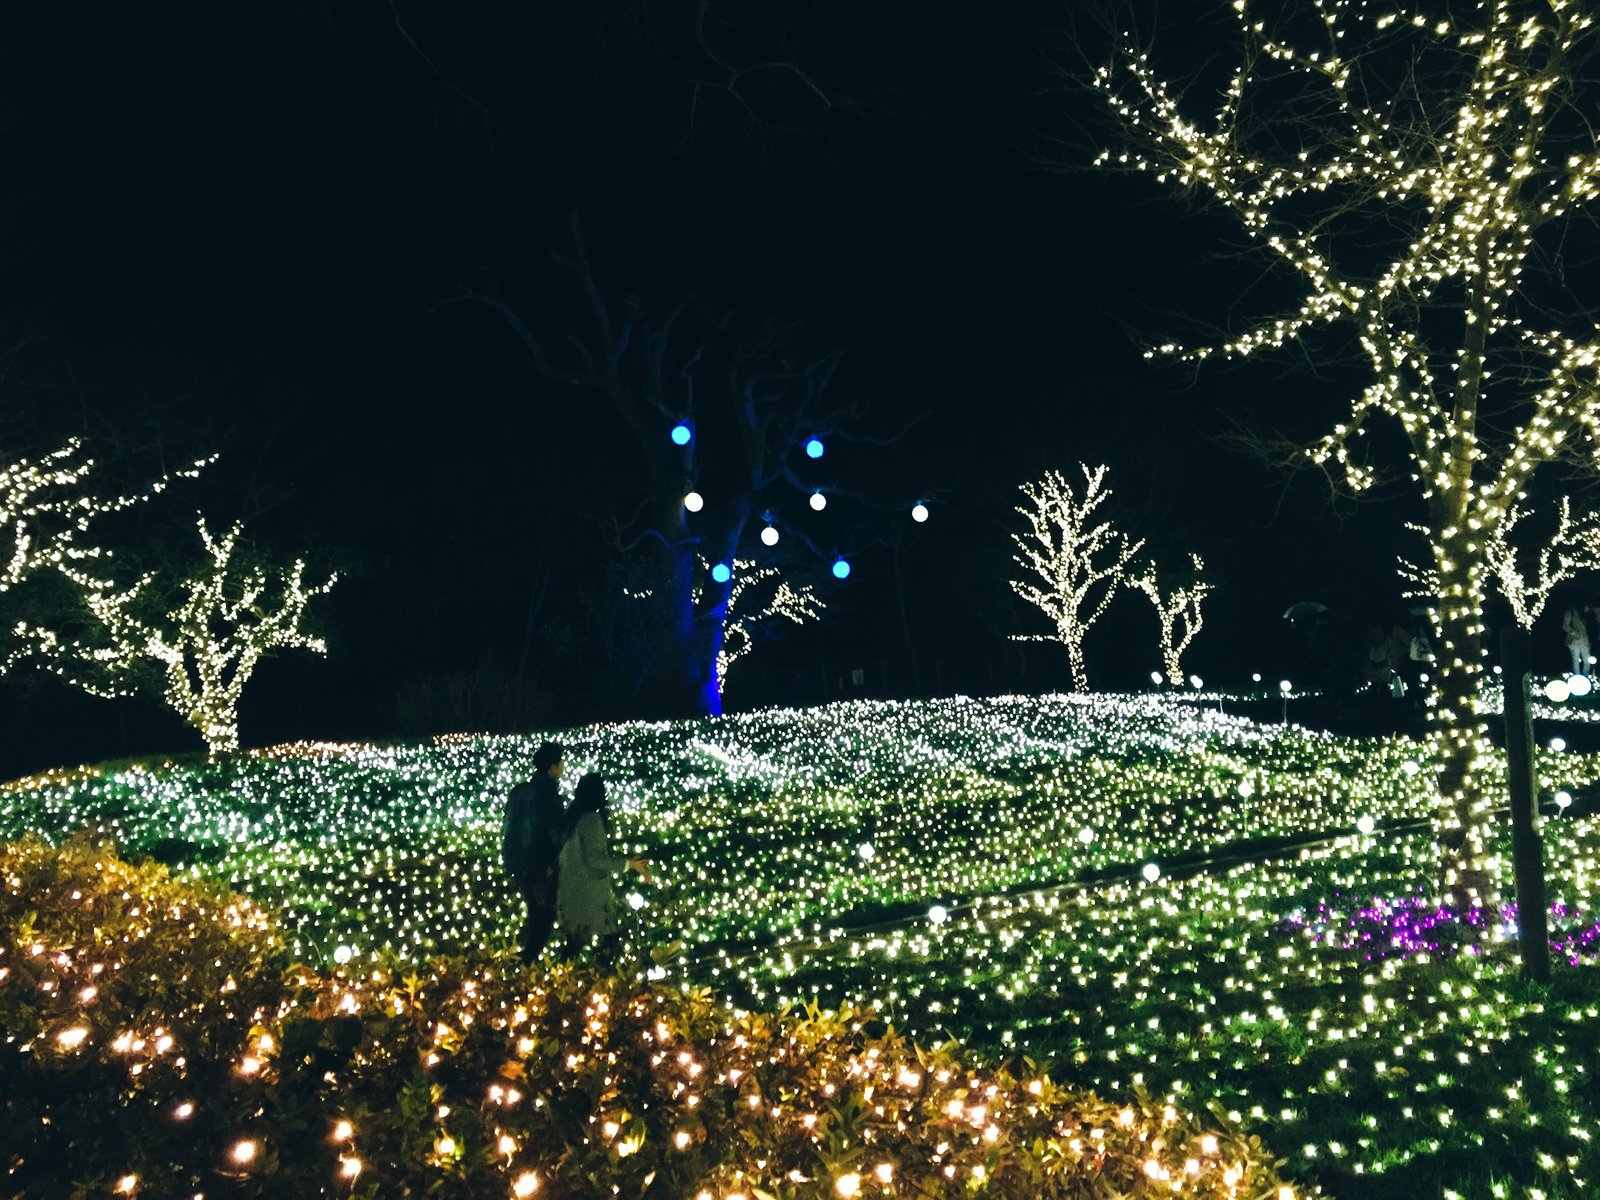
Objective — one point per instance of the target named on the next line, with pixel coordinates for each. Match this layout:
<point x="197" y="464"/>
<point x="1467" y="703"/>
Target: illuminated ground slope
<point x="1311" y="991"/>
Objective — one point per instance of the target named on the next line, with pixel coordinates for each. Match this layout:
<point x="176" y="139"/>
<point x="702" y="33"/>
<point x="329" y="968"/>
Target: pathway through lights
<point x="694" y="501"/>
<point x="818" y="501"/>
<point x="919" y="512"/>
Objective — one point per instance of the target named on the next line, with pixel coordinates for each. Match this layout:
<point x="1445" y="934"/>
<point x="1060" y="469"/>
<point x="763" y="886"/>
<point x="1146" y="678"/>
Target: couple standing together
<point x="559" y="858"/>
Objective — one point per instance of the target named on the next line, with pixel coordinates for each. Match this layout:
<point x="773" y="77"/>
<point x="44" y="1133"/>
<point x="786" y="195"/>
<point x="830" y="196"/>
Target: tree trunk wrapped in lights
<point x="208" y="646"/>
<point x="1409" y="169"/>
<point x="1079" y="563"/>
<point x="1179" y="614"/>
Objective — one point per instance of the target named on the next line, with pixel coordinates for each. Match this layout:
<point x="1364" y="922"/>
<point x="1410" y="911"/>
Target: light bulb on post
<point x="694" y="502"/>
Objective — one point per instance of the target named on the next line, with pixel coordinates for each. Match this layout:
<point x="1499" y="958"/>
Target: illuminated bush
<point x="160" y="1043"/>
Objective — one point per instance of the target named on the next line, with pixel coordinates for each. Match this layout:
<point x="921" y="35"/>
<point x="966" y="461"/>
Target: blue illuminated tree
<point x="728" y="418"/>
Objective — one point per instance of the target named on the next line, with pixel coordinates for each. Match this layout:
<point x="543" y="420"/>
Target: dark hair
<point x="588" y="797"/>
<point x="548" y="755"/>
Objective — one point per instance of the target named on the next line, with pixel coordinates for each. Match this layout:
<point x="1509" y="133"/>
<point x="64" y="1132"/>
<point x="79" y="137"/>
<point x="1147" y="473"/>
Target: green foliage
<point x="160" y="1042"/>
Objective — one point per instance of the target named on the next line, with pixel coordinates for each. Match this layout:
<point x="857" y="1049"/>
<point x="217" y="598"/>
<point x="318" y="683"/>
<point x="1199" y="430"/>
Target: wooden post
<point x="1527" y="855"/>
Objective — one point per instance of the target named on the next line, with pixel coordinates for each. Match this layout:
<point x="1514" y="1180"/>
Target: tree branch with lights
<point x="1077" y="562"/>
<point x="232" y="611"/>
<point x="1401" y="169"/>
<point x="47" y="505"/>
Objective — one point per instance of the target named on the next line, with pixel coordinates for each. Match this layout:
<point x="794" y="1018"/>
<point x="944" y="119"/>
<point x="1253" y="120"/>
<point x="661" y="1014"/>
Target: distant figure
<point x="531" y="844"/>
<point x="1375" y="672"/>
<point x="1577" y="635"/>
<point x="586" y="895"/>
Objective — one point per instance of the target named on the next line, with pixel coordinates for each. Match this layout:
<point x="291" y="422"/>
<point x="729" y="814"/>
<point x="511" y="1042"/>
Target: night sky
<point x="243" y="230"/>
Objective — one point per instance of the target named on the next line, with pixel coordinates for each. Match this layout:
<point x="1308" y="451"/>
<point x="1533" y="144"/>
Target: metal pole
<point x="1527" y="855"/>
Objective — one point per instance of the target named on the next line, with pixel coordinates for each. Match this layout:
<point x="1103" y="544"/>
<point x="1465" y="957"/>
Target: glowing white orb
<point x="769" y="536"/>
<point x="818" y="501"/>
<point x="1151" y="872"/>
<point x="343" y="954"/>
<point x="1579" y="685"/>
<point x="1256" y="677"/>
<point x="1155" y="678"/>
<point x="1563" y="799"/>
<point x="1558" y="744"/>
<point x="635" y="901"/>
<point x="1196" y="682"/>
<point x="1086" y="836"/>
<point x="919" y="513"/>
<point x="694" y="501"/>
<point x="1409" y="768"/>
<point x="1366" y="825"/>
<point x="1556" y="691"/>
<point x="866" y="851"/>
<point x="1285" y="686"/>
<point x="938" y="915"/>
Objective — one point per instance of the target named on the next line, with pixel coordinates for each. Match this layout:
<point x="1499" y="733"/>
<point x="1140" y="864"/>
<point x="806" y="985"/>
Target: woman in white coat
<point x="586" y="895"/>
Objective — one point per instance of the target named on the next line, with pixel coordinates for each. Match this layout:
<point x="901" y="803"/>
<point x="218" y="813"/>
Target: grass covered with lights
<point x="1306" y="991"/>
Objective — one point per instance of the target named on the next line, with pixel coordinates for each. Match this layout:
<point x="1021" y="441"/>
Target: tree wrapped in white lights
<point x="1179" y="614"/>
<point x="1409" y="169"/>
<point x="798" y="605"/>
<point x="1573" y="549"/>
<point x="47" y="505"/>
<point x="1076" y="561"/>
<point x="231" y="613"/>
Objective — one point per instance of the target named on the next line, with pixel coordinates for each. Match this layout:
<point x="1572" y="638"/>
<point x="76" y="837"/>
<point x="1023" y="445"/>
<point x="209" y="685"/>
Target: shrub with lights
<point x="159" y="1042"/>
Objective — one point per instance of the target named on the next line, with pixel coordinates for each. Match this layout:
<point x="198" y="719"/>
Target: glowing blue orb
<point x="841" y="569"/>
<point x="814" y="448"/>
<point x="722" y="572"/>
<point x="681" y="434"/>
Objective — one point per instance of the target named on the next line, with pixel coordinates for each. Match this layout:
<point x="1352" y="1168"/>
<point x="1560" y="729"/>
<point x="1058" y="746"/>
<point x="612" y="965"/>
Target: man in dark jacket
<point x="531" y="846"/>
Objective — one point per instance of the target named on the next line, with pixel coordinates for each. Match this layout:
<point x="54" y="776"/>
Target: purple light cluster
<point x="1410" y="926"/>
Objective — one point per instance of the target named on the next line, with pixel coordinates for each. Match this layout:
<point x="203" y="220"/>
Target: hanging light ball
<point x="681" y="434"/>
<point x="769" y="536"/>
<point x="722" y="572"/>
<point x="841" y="569"/>
<point x="818" y="501"/>
<point x="919" y="512"/>
<point x="814" y="447"/>
<point x="694" y="502"/>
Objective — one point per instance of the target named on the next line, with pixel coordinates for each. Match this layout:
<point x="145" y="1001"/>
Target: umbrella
<point x="1304" y="611"/>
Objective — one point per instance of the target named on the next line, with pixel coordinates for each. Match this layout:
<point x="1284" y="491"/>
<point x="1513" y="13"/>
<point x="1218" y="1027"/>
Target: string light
<point x="210" y="644"/>
<point x="1072" y="558"/>
<point x="1179" y="614"/>
<point x="1313" y="148"/>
